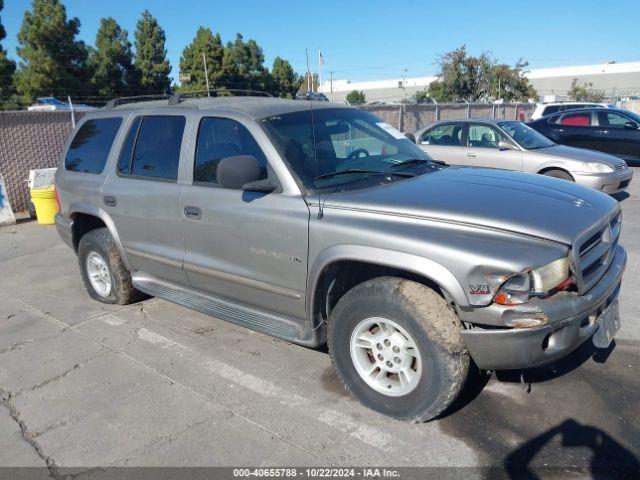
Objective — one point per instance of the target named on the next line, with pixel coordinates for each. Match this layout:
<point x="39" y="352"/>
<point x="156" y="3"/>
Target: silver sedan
<point x="512" y="145"/>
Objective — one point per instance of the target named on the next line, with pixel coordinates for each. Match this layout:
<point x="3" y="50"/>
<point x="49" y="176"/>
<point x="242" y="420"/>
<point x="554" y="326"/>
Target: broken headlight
<point x="537" y="282"/>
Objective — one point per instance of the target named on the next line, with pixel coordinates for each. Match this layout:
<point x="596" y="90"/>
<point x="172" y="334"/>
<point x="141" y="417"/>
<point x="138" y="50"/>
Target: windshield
<point x="318" y="143"/>
<point x="525" y="136"/>
<point x="634" y="116"/>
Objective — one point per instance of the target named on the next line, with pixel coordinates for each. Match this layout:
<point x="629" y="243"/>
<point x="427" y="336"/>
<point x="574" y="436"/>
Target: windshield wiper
<point x="413" y="161"/>
<point x="350" y="171"/>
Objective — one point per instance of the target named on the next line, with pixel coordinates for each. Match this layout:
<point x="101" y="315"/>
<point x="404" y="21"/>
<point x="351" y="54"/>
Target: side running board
<point x="286" y="328"/>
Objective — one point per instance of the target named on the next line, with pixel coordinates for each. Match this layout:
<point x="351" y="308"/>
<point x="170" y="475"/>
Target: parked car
<point x="51" y="104"/>
<point x="612" y="131"/>
<point x="543" y="109"/>
<point x="314" y="96"/>
<point x="512" y="145"/>
<point x="321" y="223"/>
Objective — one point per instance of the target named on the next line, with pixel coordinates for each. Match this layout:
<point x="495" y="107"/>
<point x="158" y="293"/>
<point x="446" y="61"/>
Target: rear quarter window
<point x="91" y="145"/>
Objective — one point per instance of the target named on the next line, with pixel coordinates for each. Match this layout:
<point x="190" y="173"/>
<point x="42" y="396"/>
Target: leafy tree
<point x="477" y="79"/>
<point x="54" y="62"/>
<point x="356" y="97"/>
<point x="584" y="92"/>
<point x="307" y="79"/>
<point x="151" y="55"/>
<point x="192" y="65"/>
<point x="112" y="61"/>
<point x="285" y="81"/>
<point x="7" y="67"/>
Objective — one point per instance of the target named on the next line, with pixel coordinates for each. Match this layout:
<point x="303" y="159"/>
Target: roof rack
<point x="177" y="97"/>
<point x="114" y="102"/>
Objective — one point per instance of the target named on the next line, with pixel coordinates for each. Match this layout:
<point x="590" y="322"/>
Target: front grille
<point x="621" y="167"/>
<point x="593" y="251"/>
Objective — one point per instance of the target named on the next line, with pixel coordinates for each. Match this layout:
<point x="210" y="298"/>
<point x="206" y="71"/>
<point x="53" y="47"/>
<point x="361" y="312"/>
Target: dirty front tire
<point x="112" y="283"/>
<point x="432" y="374"/>
<point x="559" y="174"/>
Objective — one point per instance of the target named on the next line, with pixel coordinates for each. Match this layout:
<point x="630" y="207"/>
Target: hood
<point x="525" y="203"/>
<point x="581" y="154"/>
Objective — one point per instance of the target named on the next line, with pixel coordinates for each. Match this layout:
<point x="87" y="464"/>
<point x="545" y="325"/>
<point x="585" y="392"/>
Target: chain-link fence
<point x="409" y="118"/>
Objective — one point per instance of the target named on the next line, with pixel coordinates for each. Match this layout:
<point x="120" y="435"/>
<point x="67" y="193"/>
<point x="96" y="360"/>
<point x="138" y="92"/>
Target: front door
<point x="482" y="149"/>
<point x="615" y="136"/>
<point x="250" y="247"/>
<point x="143" y="196"/>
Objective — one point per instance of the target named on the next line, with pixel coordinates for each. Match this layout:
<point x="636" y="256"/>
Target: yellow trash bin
<point x="44" y="199"/>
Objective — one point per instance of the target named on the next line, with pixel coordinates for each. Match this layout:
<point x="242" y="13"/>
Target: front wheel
<point x="396" y="346"/>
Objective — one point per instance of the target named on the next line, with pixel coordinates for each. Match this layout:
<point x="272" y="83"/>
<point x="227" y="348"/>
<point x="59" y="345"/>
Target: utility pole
<point x="206" y="74"/>
<point x="306" y="50"/>
<point x="331" y="83"/>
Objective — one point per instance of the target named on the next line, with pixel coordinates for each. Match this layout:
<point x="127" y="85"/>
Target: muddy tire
<point x="397" y="348"/>
<point x="559" y="174"/>
<point x="103" y="272"/>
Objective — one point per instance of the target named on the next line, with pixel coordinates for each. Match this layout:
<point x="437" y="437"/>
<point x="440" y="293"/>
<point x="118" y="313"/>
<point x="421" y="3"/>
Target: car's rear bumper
<point x="570" y="320"/>
<point x="609" y="183"/>
<point x="64" y="226"/>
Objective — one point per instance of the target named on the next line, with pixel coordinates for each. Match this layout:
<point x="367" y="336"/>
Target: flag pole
<point x="319" y="69"/>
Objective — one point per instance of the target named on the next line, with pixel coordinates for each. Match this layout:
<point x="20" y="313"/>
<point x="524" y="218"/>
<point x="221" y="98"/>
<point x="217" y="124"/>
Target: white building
<point x="615" y="79"/>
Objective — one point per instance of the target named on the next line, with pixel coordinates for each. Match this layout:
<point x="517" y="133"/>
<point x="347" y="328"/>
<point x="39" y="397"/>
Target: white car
<point x="543" y="109"/>
<point x="51" y="104"/>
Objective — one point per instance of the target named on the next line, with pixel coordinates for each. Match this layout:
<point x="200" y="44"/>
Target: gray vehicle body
<point x="514" y="156"/>
<point x="276" y="264"/>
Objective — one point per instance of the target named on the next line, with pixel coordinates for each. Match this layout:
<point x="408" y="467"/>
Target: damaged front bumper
<point x="568" y="319"/>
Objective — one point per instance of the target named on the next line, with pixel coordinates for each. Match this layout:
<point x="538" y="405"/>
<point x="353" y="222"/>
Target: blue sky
<point x="366" y="40"/>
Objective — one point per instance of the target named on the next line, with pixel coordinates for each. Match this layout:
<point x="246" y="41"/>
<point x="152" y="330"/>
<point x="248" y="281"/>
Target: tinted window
<point x="219" y="138"/>
<point x="448" y="134"/>
<point x="483" y="136"/>
<point x="90" y="147"/>
<point x="157" y="148"/>
<point x="612" y="119"/>
<point x="124" y="162"/>
<point x="580" y="119"/>
<point x="550" y="109"/>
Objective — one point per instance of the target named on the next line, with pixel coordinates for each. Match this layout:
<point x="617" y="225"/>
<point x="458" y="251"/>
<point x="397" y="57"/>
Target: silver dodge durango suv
<point x="319" y="223"/>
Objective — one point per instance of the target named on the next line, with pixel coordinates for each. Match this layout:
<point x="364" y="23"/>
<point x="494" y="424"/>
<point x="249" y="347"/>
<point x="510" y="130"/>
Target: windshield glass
<point x="320" y="142"/>
<point x="633" y="115"/>
<point x="525" y="136"/>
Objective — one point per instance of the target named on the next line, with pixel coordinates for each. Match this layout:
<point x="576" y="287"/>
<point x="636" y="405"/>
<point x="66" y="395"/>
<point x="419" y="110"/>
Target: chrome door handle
<point x="193" y="213"/>
<point x="471" y="154"/>
<point x="602" y="132"/>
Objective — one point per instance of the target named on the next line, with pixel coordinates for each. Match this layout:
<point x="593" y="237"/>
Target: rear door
<point x="615" y="137"/>
<point x="577" y="129"/>
<point x="482" y="149"/>
<point x="443" y="142"/>
<point x="142" y="196"/>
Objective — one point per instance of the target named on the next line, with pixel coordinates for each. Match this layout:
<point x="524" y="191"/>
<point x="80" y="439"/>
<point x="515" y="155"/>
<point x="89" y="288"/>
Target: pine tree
<point x="112" y="61"/>
<point x="151" y="55"/>
<point x="7" y="67"/>
<point x="243" y="65"/>
<point x="53" y="61"/>
<point x="192" y="65"/>
<point x="285" y="81"/>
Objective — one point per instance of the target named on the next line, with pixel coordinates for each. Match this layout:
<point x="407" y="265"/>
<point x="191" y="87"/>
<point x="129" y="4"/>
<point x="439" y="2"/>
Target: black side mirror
<point x="631" y="125"/>
<point x="235" y="172"/>
<point x="266" y="185"/>
<point x="411" y="137"/>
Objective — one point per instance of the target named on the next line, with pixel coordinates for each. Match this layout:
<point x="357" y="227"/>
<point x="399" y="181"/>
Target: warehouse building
<point x="617" y="80"/>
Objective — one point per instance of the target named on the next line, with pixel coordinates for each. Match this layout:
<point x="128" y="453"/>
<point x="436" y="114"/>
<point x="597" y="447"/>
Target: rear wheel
<point x="397" y="348"/>
<point x="558" y="174"/>
<point x="103" y="272"/>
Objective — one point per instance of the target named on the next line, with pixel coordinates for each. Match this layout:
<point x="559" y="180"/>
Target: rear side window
<point x="90" y="147"/>
<point x="550" y="109"/>
<point x="219" y="138"/>
<point x="152" y="147"/>
<point x="580" y="119"/>
<point x="448" y="134"/>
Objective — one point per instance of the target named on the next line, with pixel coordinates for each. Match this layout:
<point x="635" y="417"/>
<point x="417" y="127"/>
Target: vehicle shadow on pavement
<point x="609" y="459"/>
<point x="620" y="196"/>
